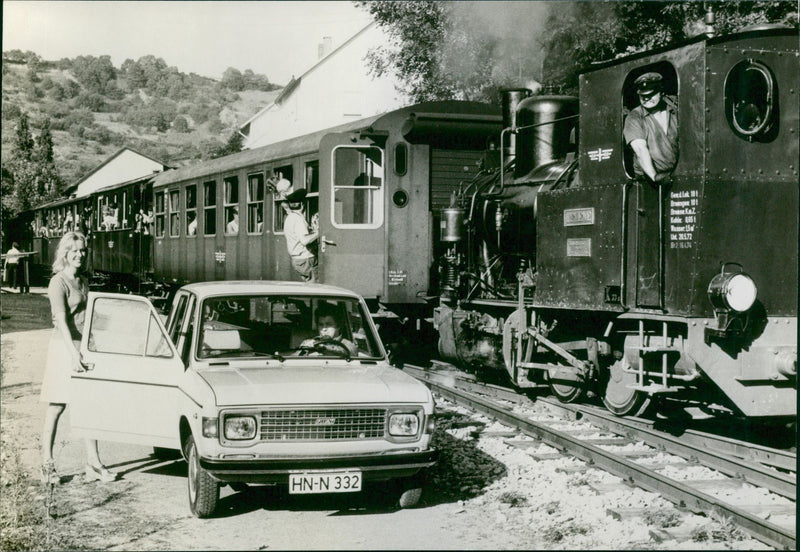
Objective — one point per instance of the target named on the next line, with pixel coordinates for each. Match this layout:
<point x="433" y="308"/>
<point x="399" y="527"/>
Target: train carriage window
<point x="191" y="210"/>
<point x="255" y="203"/>
<point x="357" y="187"/>
<point x="231" y="205"/>
<point x="285" y="172"/>
<point x="160" y="215"/>
<point x="312" y="185"/>
<point x="750" y="99"/>
<point x="174" y="214"/>
<point x="209" y="208"/>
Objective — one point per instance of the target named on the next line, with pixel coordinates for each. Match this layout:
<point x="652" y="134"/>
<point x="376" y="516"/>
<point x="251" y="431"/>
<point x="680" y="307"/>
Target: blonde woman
<point x="67" y="291"/>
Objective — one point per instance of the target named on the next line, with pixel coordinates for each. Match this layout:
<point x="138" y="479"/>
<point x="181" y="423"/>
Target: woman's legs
<point x="51" y="417"/>
<point x="92" y="456"/>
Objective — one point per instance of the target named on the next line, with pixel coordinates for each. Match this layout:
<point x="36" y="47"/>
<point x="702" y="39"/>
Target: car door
<point x="130" y="393"/>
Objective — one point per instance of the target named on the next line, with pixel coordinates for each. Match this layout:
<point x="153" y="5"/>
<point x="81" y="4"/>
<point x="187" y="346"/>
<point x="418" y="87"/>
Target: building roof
<point x="119" y="152"/>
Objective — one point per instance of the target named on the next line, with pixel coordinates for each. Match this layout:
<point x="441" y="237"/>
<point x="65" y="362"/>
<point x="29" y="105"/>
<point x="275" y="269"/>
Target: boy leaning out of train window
<point x="651" y="129"/>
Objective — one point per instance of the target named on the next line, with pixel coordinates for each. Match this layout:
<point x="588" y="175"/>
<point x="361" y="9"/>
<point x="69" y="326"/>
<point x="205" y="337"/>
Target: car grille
<point x="323" y="425"/>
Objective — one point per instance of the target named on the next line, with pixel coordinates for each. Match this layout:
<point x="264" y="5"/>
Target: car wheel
<point x="410" y="497"/>
<point x="203" y="489"/>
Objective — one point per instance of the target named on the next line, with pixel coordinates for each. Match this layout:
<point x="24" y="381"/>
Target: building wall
<point x="126" y="166"/>
<point x="337" y="90"/>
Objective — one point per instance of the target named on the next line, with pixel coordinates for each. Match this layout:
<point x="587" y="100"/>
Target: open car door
<point x="130" y="392"/>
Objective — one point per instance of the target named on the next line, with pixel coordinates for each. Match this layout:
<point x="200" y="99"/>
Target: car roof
<point x="245" y="287"/>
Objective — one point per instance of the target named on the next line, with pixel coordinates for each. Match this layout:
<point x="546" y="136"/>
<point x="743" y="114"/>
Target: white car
<point x="237" y="381"/>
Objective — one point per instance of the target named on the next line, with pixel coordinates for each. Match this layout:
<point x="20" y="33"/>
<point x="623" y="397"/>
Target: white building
<point x="125" y="165"/>
<point x="336" y="90"/>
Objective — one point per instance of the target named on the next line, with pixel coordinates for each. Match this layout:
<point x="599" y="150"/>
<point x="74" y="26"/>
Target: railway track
<point x="627" y="447"/>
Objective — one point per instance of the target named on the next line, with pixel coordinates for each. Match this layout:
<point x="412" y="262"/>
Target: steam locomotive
<point x="521" y="233"/>
<point x="562" y="270"/>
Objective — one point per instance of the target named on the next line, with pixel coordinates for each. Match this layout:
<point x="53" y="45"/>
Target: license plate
<point x="324" y="482"/>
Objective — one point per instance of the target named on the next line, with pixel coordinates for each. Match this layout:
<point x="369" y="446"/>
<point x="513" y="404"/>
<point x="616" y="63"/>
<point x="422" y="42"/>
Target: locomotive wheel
<point x="618" y="397"/>
<point x="566" y="385"/>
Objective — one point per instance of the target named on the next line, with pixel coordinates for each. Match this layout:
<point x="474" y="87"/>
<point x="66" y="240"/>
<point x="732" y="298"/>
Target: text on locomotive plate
<point x="579" y="247"/>
<point x="579" y="217"/>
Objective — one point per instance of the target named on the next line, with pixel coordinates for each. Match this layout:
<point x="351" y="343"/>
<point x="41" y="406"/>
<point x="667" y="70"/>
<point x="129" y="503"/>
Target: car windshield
<point x="285" y="326"/>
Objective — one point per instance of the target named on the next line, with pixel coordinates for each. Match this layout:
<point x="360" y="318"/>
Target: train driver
<point x="651" y="129"/>
<point x="299" y="236"/>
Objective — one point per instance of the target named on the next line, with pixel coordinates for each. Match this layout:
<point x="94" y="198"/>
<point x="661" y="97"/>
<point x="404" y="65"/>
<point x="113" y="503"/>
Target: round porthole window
<point x="749" y="99"/>
<point x="400" y="198"/>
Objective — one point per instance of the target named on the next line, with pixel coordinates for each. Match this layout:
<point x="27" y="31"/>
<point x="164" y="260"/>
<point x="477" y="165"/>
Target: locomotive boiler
<point x="562" y="270"/>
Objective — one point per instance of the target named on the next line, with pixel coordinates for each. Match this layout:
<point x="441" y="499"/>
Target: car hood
<point x="294" y="383"/>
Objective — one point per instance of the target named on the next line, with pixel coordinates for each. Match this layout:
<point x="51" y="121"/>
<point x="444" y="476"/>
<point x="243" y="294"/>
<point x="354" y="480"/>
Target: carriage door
<point x="351" y="213"/>
<point x="649" y="245"/>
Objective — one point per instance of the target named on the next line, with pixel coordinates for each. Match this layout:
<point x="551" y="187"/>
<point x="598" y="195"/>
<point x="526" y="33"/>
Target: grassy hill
<point x="95" y="108"/>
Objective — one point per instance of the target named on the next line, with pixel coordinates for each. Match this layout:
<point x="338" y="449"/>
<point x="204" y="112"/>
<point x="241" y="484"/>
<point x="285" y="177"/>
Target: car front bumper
<point x="277" y="470"/>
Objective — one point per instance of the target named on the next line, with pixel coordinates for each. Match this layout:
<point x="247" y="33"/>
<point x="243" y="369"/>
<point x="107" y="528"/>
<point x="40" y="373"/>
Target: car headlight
<point x="732" y="291"/>
<point x="238" y="428"/>
<point x="403" y="425"/>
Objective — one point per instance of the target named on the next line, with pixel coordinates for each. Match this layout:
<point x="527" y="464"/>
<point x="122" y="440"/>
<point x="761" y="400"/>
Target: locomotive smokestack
<point x="510" y="98"/>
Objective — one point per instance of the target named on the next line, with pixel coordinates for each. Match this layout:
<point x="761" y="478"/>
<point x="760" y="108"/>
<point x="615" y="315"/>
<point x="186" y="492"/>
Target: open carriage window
<point x="357" y="187"/>
<point x="255" y="203"/>
<point x="750" y="99"/>
<point x="231" y="206"/>
<point x="282" y="175"/>
<point x="191" y="210"/>
<point x="174" y="213"/>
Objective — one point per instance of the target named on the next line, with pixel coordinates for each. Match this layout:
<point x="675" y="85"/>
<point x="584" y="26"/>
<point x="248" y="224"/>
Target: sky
<point x="278" y="39"/>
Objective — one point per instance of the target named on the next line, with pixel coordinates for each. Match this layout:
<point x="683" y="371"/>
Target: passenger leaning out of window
<point x="651" y="129"/>
<point x="299" y="236"/>
<point x="68" y="292"/>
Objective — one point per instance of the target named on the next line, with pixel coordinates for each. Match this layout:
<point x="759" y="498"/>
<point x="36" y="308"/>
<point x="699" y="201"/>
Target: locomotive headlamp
<point x="732" y="291"/>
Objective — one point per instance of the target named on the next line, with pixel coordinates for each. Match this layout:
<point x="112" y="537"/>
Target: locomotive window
<point x="312" y="185"/>
<point x="160" y="214"/>
<point x="191" y="210"/>
<point x="357" y="187"/>
<point x="255" y="203"/>
<point x="174" y="213"/>
<point x="749" y="99"/>
<point x="209" y="208"/>
<point x="278" y="205"/>
<point x="231" y="206"/>
<point x="400" y="159"/>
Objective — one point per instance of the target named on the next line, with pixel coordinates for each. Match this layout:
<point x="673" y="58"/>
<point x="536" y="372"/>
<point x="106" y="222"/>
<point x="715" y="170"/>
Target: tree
<point x="232" y="79"/>
<point x="23" y="142"/>
<point x="95" y="74"/>
<point x="444" y="50"/>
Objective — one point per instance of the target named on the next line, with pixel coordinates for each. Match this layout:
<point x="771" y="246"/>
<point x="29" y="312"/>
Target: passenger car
<point x="233" y="381"/>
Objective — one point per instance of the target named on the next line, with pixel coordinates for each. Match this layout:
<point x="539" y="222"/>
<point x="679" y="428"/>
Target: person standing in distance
<point x="68" y="291"/>
<point x="651" y="129"/>
<point x="13" y="266"/>
<point x="299" y="236"/>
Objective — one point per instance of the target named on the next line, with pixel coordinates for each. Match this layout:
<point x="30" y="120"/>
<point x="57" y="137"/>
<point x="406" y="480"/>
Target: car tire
<point x="410" y="497"/>
<point x="203" y="489"/>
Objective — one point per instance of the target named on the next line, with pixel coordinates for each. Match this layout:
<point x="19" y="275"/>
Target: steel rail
<point x="631" y="472"/>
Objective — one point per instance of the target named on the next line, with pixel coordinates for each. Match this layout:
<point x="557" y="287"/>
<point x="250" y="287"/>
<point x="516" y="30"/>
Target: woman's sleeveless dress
<point x="68" y="295"/>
